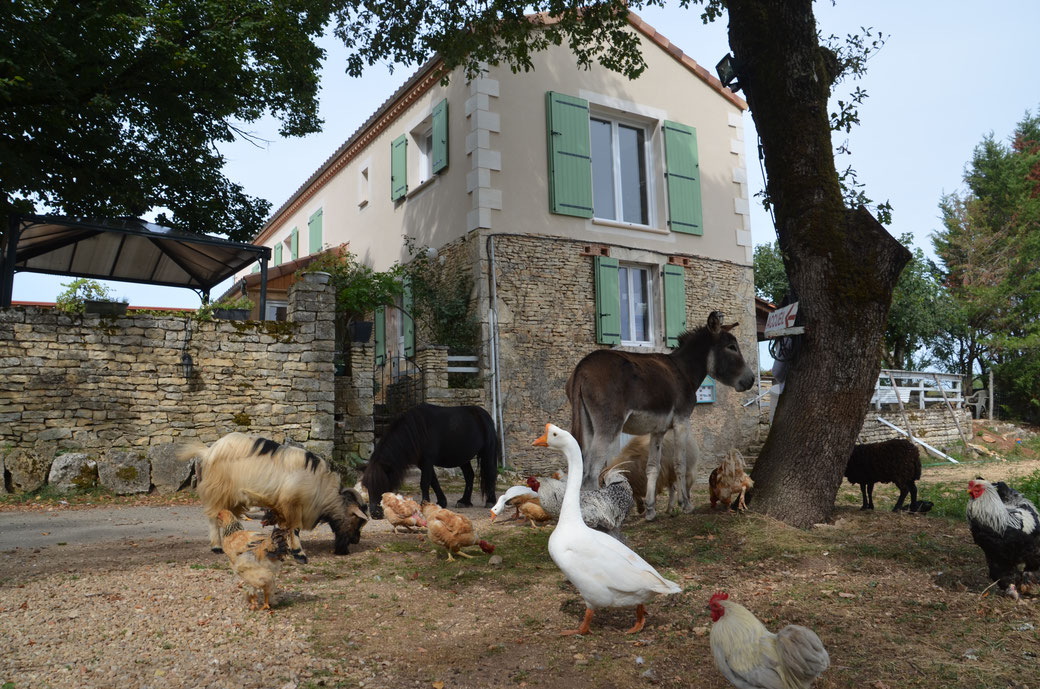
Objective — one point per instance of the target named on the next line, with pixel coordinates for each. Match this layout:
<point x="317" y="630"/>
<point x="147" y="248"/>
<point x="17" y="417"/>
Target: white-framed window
<point x="276" y="310"/>
<point x="621" y="165"/>
<point x="635" y="284"/>
<point x="423" y="138"/>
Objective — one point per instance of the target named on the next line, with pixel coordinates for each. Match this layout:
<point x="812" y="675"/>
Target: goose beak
<point x="493" y="516"/>
<point x="544" y="440"/>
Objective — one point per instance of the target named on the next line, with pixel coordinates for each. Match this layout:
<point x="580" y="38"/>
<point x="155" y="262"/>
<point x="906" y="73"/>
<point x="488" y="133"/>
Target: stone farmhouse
<point x="589" y="210"/>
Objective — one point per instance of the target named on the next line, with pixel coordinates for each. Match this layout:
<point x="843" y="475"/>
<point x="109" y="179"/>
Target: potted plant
<point x="233" y="308"/>
<point x="89" y="296"/>
<point x="359" y="289"/>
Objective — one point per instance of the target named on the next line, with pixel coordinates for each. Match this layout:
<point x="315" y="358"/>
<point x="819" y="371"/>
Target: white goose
<point x="606" y="572"/>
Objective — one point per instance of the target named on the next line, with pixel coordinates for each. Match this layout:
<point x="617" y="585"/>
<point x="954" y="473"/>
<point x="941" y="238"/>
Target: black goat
<point x="892" y="461"/>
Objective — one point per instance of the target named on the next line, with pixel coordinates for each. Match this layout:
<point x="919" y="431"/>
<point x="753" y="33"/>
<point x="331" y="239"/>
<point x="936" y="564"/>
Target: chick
<point x="255" y="557"/>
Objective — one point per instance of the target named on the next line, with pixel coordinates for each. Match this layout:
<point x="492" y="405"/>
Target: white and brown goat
<point x="298" y="487"/>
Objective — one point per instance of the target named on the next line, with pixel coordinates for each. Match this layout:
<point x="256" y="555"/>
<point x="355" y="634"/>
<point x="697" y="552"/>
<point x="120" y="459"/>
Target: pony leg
<point x="653" y="468"/>
<point x="467" y="474"/>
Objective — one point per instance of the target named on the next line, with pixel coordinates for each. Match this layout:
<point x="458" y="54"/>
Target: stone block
<point x="170" y="473"/>
<point x="125" y="472"/>
<point x="28" y="469"/>
<point x="73" y="471"/>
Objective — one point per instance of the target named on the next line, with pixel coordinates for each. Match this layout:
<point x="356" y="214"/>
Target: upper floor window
<point x="619" y="171"/>
<point x="424" y="145"/>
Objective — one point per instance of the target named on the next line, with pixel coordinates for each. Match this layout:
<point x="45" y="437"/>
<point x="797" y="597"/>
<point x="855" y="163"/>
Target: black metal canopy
<point x="125" y="249"/>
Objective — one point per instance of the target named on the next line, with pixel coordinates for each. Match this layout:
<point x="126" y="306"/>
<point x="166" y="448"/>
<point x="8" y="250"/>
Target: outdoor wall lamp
<point x="187" y="365"/>
<point x="727" y="71"/>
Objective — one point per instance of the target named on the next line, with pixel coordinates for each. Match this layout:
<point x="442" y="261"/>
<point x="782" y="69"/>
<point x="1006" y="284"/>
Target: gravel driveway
<point x="133" y="597"/>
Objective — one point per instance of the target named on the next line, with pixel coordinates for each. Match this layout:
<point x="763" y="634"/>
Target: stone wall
<point x="546" y="309"/>
<point x="112" y="390"/>
<point x="934" y="425"/>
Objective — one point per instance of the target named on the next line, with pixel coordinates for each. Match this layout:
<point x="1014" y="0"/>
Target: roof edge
<point x="422" y="81"/>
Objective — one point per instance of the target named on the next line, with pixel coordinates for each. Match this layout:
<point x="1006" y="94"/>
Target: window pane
<point x="632" y="153"/>
<point x="640" y="307"/>
<point x="602" y="170"/>
<point x="626" y="313"/>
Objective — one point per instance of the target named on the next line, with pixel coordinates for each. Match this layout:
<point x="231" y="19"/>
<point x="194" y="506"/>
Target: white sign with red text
<point x="781" y="321"/>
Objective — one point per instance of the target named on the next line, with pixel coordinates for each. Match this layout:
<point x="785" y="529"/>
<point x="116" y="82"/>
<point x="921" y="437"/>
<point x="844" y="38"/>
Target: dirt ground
<point x="899" y="599"/>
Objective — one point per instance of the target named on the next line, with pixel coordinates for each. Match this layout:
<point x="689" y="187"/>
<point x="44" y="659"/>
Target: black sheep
<point x="892" y="461"/>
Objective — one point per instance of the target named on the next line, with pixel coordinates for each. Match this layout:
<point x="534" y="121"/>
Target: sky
<point x="950" y="73"/>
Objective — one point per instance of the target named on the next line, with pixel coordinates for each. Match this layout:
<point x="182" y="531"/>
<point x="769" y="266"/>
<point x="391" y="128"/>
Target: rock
<point x="495" y="561"/>
<point x="73" y="471"/>
<point x="170" y="473"/>
<point x="27" y="468"/>
<point x="125" y="472"/>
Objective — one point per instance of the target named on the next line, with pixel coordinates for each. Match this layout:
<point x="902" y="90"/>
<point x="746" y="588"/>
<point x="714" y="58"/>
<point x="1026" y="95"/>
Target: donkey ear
<point x="729" y="327"/>
<point x="715" y="322"/>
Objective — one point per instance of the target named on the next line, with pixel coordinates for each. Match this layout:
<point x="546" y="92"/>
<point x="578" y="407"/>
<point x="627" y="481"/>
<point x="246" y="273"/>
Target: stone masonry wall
<point x="546" y="308"/>
<point x="934" y="425"/>
<point x="113" y="389"/>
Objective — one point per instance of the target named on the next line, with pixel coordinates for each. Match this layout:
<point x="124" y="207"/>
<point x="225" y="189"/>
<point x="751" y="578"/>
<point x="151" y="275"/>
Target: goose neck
<point x="571" y="506"/>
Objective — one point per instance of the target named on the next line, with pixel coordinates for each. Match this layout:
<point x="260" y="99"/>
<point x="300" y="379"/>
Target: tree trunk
<point x="842" y="264"/>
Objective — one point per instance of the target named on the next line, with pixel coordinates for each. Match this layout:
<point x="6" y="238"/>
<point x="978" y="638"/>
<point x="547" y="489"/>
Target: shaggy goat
<point x="240" y="470"/>
<point x="633" y="459"/>
<point x="892" y="461"/>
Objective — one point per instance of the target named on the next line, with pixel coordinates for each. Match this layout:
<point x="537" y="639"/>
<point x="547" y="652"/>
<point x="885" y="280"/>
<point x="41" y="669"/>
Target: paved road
<point x="36" y="529"/>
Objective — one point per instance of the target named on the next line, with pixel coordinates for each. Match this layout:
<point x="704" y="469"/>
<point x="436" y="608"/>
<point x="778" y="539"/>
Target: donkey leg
<point x="653" y="468"/>
<point x="467" y="474"/>
<point x="596" y="458"/>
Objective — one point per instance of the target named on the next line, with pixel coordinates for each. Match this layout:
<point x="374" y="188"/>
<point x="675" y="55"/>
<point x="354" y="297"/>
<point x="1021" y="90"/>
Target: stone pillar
<point x="312" y="307"/>
<point x="355" y="426"/>
<point x="433" y="360"/>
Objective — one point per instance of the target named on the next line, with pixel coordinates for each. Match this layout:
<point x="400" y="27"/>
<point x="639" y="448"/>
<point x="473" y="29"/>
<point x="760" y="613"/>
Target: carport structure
<point x="123" y="249"/>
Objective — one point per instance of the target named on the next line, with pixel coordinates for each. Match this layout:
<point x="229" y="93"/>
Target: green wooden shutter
<point x="682" y="171"/>
<point x="674" y="303"/>
<point x="408" y="303"/>
<point x="440" y="136"/>
<point x="380" y="335"/>
<point x="570" y="165"/>
<point x="608" y="301"/>
<point x="277" y="254"/>
<point x="294" y="243"/>
<point x="398" y="167"/>
<point x="314" y="238"/>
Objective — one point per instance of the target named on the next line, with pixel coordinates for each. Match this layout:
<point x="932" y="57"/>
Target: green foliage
<point x="770" y="274"/>
<point x="359" y="288"/>
<point x="917" y="315"/>
<point x="441" y="302"/>
<point x="230" y="303"/>
<point x="81" y="290"/>
<point x="116" y="107"/>
<point x="990" y="247"/>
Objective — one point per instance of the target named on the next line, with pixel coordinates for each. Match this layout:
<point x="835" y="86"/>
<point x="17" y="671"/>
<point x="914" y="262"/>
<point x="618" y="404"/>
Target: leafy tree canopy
<point x="114" y="108"/>
<point x="990" y="247"/>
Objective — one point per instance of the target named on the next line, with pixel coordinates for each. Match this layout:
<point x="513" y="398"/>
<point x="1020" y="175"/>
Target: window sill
<point x="628" y="226"/>
<point x="421" y="186"/>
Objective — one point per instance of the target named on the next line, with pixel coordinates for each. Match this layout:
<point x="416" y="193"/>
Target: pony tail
<point x="489" y="457"/>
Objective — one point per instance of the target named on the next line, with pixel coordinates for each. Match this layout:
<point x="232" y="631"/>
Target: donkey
<point x="611" y="391"/>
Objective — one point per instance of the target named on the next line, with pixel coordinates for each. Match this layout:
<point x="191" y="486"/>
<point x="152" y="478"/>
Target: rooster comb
<point x="719" y="595"/>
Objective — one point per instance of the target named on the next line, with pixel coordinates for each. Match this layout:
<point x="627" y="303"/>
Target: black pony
<point x="429" y="436"/>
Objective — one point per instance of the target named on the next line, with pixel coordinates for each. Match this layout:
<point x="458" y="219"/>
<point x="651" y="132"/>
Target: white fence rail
<point x="920" y="387"/>
<point x="455" y="367"/>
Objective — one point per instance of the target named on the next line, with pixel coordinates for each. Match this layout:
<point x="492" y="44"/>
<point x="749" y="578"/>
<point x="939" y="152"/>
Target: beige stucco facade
<point x="496" y="184"/>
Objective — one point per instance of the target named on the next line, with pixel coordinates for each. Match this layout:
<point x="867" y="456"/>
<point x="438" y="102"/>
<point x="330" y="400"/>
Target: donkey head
<point x="725" y="362"/>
